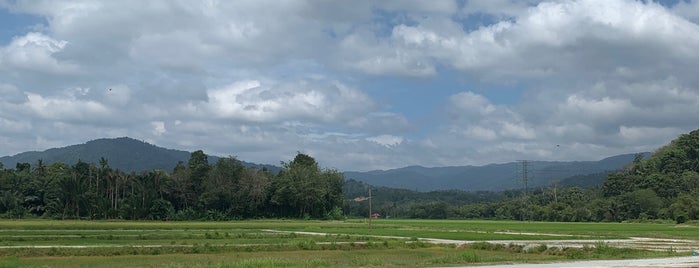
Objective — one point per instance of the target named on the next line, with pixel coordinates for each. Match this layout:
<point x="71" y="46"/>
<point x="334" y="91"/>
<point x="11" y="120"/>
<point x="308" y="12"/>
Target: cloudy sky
<point x="359" y="85"/>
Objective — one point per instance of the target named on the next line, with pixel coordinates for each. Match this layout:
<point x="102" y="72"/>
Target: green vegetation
<point x="196" y="190"/>
<point x="284" y="243"/>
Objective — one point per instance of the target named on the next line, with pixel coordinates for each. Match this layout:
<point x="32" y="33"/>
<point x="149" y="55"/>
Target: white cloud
<point x="319" y="102"/>
<point x="601" y="110"/>
<point x="517" y="131"/>
<point x="645" y="135"/>
<point x="34" y="52"/>
<point x="158" y="128"/>
<point x="471" y="104"/>
<point x="362" y="52"/>
<point x="66" y="109"/>
<point x="481" y="133"/>
<point x="386" y="140"/>
<point x="555" y="37"/>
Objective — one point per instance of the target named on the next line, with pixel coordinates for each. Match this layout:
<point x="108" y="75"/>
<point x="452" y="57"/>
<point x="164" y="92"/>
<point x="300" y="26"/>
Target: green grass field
<point x="285" y="243"/>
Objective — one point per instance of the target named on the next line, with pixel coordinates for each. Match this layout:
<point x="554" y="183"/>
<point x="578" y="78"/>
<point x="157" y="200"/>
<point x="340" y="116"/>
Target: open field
<point x="288" y="243"/>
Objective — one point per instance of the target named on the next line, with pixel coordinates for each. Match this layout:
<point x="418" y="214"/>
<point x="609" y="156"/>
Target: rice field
<point x="351" y="243"/>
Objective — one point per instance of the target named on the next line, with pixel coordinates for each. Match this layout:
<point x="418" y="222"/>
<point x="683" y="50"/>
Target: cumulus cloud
<point x="365" y="54"/>
<point x="158" y="128"/>
<point x="386" y="140"/>
<point x="470" y="104"/>
<point x="556" y="38"/>
<point x="252" y="101"/>
<point x="496" y="80"/>
<point x="65" y="109"/>
<point x="34" y="52"/>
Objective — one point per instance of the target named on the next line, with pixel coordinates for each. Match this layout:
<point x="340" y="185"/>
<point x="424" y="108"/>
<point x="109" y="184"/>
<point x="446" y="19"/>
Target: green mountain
<point x="495" y="177"/>
<point x="124" y="153"/>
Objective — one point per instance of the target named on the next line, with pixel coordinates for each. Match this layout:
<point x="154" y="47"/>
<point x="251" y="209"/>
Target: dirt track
<point x="633" y="242"/>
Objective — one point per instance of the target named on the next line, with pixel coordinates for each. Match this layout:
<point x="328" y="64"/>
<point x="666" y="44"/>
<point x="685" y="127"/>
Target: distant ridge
<point x="123" y="153"/>
<point x="495" y="177"/>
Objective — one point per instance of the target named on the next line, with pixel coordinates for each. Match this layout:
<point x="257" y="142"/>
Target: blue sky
<point x="359" y="85"/>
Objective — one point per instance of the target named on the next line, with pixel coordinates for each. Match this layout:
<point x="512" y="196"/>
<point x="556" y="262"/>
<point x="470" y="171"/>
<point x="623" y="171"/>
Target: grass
<point x="348" y="243"/>
<point x="423" y="257"/>
<point x="576" y="230"/>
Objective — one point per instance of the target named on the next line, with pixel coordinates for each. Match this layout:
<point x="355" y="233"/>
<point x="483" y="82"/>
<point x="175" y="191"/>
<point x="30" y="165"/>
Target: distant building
<point x="375" y="216"/>
<point x="360" y="199"/>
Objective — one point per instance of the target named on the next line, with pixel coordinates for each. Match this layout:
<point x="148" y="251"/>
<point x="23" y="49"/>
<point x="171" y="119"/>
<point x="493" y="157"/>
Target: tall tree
<point x="198" y="168"/>
<point x="253" y="191"/>
<point x="221" y="185"/>
<point x="302" y="189"/>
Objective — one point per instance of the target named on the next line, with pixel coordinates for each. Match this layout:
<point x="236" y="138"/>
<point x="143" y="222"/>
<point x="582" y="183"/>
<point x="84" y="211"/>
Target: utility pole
<point x="370" y="208"/>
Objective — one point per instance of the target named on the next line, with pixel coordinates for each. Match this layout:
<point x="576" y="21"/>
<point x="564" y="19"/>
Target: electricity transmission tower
<point x="525" y="181"/>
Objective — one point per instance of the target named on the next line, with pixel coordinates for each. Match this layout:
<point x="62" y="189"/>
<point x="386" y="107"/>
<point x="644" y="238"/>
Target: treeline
<point x="545" y="204"/>
<point x="195" y="190"/>
<point x="664" y="186"/>
<point x="403" y="203"/>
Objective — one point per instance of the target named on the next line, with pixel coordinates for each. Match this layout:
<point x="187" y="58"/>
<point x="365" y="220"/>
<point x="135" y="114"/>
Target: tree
<point x="618" y="183"/>
<point x="179" y="188"/>
<point x="198" y="169"/>
<point x="221" y="186"/>
<point x="23" y="167"/>
<point x="253" y="191"/>
<point x="69" y="193"/>
<point x="640" y="203"/>
<point x="685" y="207"/>
<point x="302" y="189"/>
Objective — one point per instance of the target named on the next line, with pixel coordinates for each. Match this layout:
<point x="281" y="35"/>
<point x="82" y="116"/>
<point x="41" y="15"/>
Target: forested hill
<point x="665" y="185"/>
<point x="495" y="177"/>
<point x="124" y="153"/>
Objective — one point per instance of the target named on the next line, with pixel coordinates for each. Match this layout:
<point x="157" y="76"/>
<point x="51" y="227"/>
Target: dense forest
<point x="663" y="186"/>
<point x="196" y="190"/>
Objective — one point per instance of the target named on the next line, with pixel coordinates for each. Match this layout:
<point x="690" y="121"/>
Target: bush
<point x="335" y="214"/>
<point x="161" y="209"/>
<point x="681" y="219"/>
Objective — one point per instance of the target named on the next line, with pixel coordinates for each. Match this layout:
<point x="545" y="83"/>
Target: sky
<point x="358" y="85"/>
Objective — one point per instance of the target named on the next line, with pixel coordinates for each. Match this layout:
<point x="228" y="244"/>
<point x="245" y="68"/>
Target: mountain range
<point x="495" y="177"/>
<point x="133" y="155"/>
